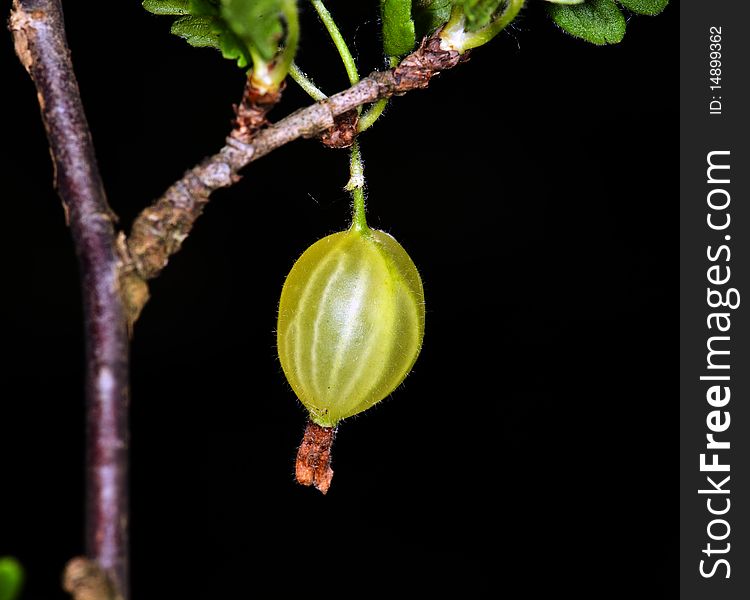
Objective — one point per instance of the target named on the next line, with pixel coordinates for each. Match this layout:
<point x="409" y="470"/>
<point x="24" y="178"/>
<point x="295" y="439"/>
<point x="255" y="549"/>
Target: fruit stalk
<point x="356" y="186"/>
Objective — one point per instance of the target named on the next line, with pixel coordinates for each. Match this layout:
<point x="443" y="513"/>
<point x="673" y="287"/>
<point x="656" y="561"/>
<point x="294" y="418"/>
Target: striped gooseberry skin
<point x="351" y="323"/>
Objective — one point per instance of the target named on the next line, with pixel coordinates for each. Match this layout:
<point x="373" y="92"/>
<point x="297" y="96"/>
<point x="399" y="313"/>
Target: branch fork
<point x="115" y="267"/>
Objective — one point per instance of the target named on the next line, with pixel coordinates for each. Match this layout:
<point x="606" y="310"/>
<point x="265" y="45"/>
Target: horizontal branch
<point x="160" y="229"/>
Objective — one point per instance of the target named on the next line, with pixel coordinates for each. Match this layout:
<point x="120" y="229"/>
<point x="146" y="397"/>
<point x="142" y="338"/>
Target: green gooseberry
<point x="351" y="322"/>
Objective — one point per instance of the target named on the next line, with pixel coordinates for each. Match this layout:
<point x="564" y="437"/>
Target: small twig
<point x="39" y="35"/>
<point x="159" y="231"/>
<point x="250" y="114"/>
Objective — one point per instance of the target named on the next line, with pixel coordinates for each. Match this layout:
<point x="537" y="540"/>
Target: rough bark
<point x="251" y="112"/>
<point x="343" y="133"/>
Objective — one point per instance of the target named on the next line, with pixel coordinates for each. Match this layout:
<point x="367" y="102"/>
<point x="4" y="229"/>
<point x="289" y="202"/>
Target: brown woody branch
<point x="159" y="230"/>
<point x="39" y="37"/>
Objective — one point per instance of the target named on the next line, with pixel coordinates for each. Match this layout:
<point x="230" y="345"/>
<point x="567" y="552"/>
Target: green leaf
<point x="567" y="1"/>
<point x="597" y="21"/>
<point x="238" y="28"/>
<point x="197" y="31"/>
<point x="398" y="28"/>
<point x="645" y="7"/>
<point x="430" y="14"/>
<point x="257" y="23"/>
<point x="11" y="578"/>
<point x="211" y="32"/>
<point x="479" y="13"/>
<point x="231" y="47"/>
<point x="207" y="8"/>
<point x="167" y="7"/>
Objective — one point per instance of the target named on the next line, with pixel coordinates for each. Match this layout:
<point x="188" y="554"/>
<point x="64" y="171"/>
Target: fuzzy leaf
<point x="211" y="32"/>
<point x="167" y="7"/>
<point x="479" y="13"/>
<point x="645" y="7"/>
<point x="255" y="22"/>
<point x="597" y="21"/>
<point x="431" y="14"/>
<point x="197" y="31"/>
<point x="11" y="578"/>
<point x="398" y="28"/>
<point x="232" y="26"/>
<point x="207" y="8"/>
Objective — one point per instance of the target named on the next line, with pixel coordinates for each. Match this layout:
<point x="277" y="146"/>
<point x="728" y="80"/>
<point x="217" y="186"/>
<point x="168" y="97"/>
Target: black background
<point x="534" y="187"/>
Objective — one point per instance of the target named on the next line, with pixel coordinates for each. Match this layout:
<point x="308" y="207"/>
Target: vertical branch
<point x="39" y="35"/>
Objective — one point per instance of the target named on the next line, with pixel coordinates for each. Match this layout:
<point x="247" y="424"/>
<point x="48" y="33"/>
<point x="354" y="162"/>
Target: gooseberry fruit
<point x="351" y="323"/>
